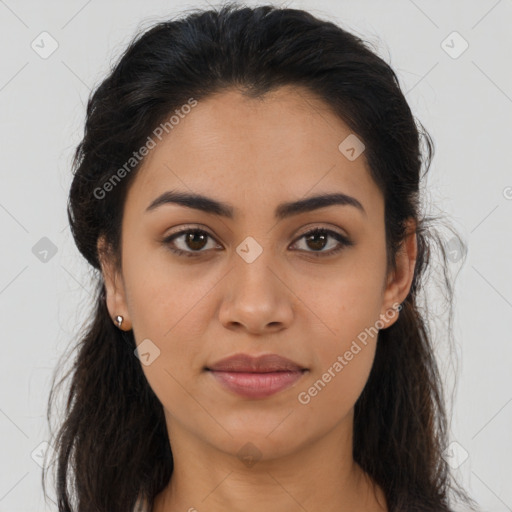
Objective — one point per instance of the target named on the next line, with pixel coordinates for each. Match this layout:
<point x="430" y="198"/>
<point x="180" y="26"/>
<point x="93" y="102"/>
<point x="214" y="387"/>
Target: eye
<point x="194" y="238"/>
<point x="317" y="239"/>
<point x="197" y="239"/>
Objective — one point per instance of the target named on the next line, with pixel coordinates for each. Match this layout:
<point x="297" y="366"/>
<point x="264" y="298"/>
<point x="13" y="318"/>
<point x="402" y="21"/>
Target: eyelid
<point x="319" y="227"/>
<point x="342" y="239"/>
<point x="183" y="230"/>
<point x="201" y="227"/>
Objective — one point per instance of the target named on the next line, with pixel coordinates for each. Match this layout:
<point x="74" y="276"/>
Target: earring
<point x="119" y="320"/>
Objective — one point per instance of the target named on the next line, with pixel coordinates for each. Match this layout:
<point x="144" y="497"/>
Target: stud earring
<point x="119" y="320"/>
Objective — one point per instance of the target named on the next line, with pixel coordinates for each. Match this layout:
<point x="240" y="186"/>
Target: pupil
<point x="191" y="240"/>
<point x="319" y="235"/>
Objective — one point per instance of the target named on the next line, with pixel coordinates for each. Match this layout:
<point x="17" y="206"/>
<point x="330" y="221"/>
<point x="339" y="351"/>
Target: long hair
<point x="112" y="448"/>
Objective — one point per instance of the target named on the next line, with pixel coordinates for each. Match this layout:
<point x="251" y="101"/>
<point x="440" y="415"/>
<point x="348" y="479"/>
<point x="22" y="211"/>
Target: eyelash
<point x="343" y="242"/>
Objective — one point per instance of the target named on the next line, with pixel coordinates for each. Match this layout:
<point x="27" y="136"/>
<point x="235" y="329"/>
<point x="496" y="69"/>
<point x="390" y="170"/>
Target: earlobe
<point x="115" y="298"/>
<point x="400" y="281"/>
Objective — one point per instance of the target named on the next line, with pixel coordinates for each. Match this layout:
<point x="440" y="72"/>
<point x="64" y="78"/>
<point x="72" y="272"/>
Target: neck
<point x="321" y="476"/>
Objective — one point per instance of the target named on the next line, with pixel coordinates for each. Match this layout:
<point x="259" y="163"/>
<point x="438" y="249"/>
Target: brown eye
<point x="193" y="241"/>
<point x="317" y="240"/>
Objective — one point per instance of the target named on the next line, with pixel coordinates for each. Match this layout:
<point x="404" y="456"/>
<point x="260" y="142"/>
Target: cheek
<point x="169" y="306"/>
<point x="348" y="308"/>
<point x="346" y="295"/>
<point x="343" y="355"/>
<point x="344" y="303"/>
<point x="161" y="294"/>
<point x="331" y="393"/>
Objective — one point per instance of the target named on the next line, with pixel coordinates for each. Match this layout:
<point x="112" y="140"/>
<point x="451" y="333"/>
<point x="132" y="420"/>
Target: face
<point x="253" y="282"/>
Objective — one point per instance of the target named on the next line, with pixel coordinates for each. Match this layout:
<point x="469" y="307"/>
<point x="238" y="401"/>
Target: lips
<point x="263" y="364"/>
<point x="256" y="377"/>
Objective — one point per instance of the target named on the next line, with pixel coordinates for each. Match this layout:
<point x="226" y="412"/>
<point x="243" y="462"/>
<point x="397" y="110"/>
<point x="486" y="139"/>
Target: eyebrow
<point x="283" y="211"/>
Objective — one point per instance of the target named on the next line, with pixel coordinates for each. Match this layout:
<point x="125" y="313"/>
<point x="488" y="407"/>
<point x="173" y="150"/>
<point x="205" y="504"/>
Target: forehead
<point x="266" y="150"/>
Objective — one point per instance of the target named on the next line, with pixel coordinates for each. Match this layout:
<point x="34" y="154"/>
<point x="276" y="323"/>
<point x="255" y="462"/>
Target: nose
<point x="257" y="298"/>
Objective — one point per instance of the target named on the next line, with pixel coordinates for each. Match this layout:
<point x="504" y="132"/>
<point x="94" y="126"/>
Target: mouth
<point x="256" y="377"/>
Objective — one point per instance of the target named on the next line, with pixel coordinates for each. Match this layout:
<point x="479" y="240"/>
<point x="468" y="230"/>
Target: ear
<point x="115" y="295"/>
<point x="399" y="281"/>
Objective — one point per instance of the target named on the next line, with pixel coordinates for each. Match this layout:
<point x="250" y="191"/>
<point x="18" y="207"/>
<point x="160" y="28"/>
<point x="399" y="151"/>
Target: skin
<point x="256" y="154"/>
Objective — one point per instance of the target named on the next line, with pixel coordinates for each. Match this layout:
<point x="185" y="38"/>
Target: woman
<point x="248" y="190"/>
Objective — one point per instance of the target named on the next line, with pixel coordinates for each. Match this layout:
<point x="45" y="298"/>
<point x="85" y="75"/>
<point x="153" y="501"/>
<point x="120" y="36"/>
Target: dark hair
<point x="112" y="449"/>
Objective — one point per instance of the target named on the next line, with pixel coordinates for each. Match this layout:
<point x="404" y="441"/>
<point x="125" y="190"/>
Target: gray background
<point x="464" y="98"/>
